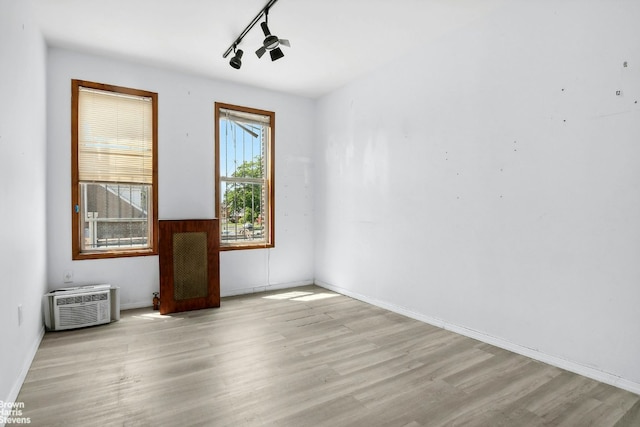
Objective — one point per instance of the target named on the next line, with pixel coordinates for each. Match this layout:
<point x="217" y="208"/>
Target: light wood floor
<point x="303" y="357"/>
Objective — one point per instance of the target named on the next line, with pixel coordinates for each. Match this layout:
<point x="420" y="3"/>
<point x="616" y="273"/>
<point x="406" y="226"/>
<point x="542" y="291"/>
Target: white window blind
<point x="244" y="117"/>
<point x="115" y="137"/>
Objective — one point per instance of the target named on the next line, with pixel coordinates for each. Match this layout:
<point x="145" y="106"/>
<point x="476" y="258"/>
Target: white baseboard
<point x="231" y="292"/>
<point x="266" y="288"/>
<point x="559" y="362"/>
<point x="17" y="385"/>
<point x="133" y="305"/>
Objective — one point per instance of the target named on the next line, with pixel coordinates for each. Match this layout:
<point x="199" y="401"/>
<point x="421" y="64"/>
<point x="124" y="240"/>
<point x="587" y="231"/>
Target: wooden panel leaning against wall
<point x="189" y="257"/>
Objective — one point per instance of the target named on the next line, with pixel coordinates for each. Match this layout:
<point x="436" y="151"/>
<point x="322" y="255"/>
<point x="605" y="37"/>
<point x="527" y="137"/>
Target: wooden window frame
<point x="270" y="185"/>
<point x="76" y="223"/>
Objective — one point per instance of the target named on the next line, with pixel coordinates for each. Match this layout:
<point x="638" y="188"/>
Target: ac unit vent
<point x="82" y="298"/>
<point x="71" y="316"/>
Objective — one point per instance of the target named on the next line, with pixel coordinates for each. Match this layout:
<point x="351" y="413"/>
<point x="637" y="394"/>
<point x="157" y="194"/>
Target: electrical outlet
<point x="19" y="314"/>
<point x="67" y="277"/>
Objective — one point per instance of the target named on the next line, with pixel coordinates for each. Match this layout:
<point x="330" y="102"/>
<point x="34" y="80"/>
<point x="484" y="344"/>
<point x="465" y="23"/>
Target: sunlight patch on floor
<point x="302" y="296"/>
<point x="155" y="316"/>
<point x="288" y="295"/>
<point x="315" y="297"/>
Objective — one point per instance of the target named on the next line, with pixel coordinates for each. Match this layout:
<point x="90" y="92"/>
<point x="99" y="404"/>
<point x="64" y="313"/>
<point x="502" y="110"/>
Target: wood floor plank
<point x="631" y="417"/>
<point x="301" y="357"/>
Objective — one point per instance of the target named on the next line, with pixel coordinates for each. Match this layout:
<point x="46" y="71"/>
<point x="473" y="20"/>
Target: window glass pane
<point x="243" y="212"/>
<point x="115" y="216"/>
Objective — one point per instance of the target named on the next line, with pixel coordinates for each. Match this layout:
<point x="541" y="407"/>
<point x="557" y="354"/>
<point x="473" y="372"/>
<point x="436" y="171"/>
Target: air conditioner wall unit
<point x="77" y="307"/>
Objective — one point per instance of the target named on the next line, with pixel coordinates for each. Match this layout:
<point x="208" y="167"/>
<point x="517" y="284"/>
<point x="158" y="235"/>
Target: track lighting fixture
<point x="271" y="43"/>
<point x="236" y="61"/>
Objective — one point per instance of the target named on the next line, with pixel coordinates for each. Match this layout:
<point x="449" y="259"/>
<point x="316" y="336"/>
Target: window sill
<point x="247" y="246"/>
<point x="114" y="254"/>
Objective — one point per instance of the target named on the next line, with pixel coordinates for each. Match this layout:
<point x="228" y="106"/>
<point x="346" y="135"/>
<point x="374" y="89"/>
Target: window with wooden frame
<point x="114" y="171"/>
<point x="244" y="146"/>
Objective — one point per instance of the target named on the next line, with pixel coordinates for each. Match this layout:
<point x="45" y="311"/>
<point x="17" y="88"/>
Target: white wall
<point x="186" y="176"/>
<point x="490" y="183"/>
<point x="22" y="192"/>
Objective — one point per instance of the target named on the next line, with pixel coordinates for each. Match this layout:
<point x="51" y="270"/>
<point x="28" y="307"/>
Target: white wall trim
<point x="15" y="390"/>
<point x="134" y="305"/>
<point x="556" y="361"/>
<point x="231" y="292"/>
<point x="266" y="288"/>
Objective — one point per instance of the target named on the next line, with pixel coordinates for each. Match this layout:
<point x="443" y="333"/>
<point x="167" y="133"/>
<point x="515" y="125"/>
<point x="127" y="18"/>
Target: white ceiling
<point x="332" y="41"/>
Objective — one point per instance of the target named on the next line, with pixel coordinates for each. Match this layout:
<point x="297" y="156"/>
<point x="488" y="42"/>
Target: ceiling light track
<point x="271" y="43"/>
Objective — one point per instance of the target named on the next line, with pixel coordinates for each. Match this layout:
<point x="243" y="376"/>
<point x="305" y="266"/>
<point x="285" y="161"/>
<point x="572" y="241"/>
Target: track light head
<point x="236" y="61"/>
<point x="271" y="44"/>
